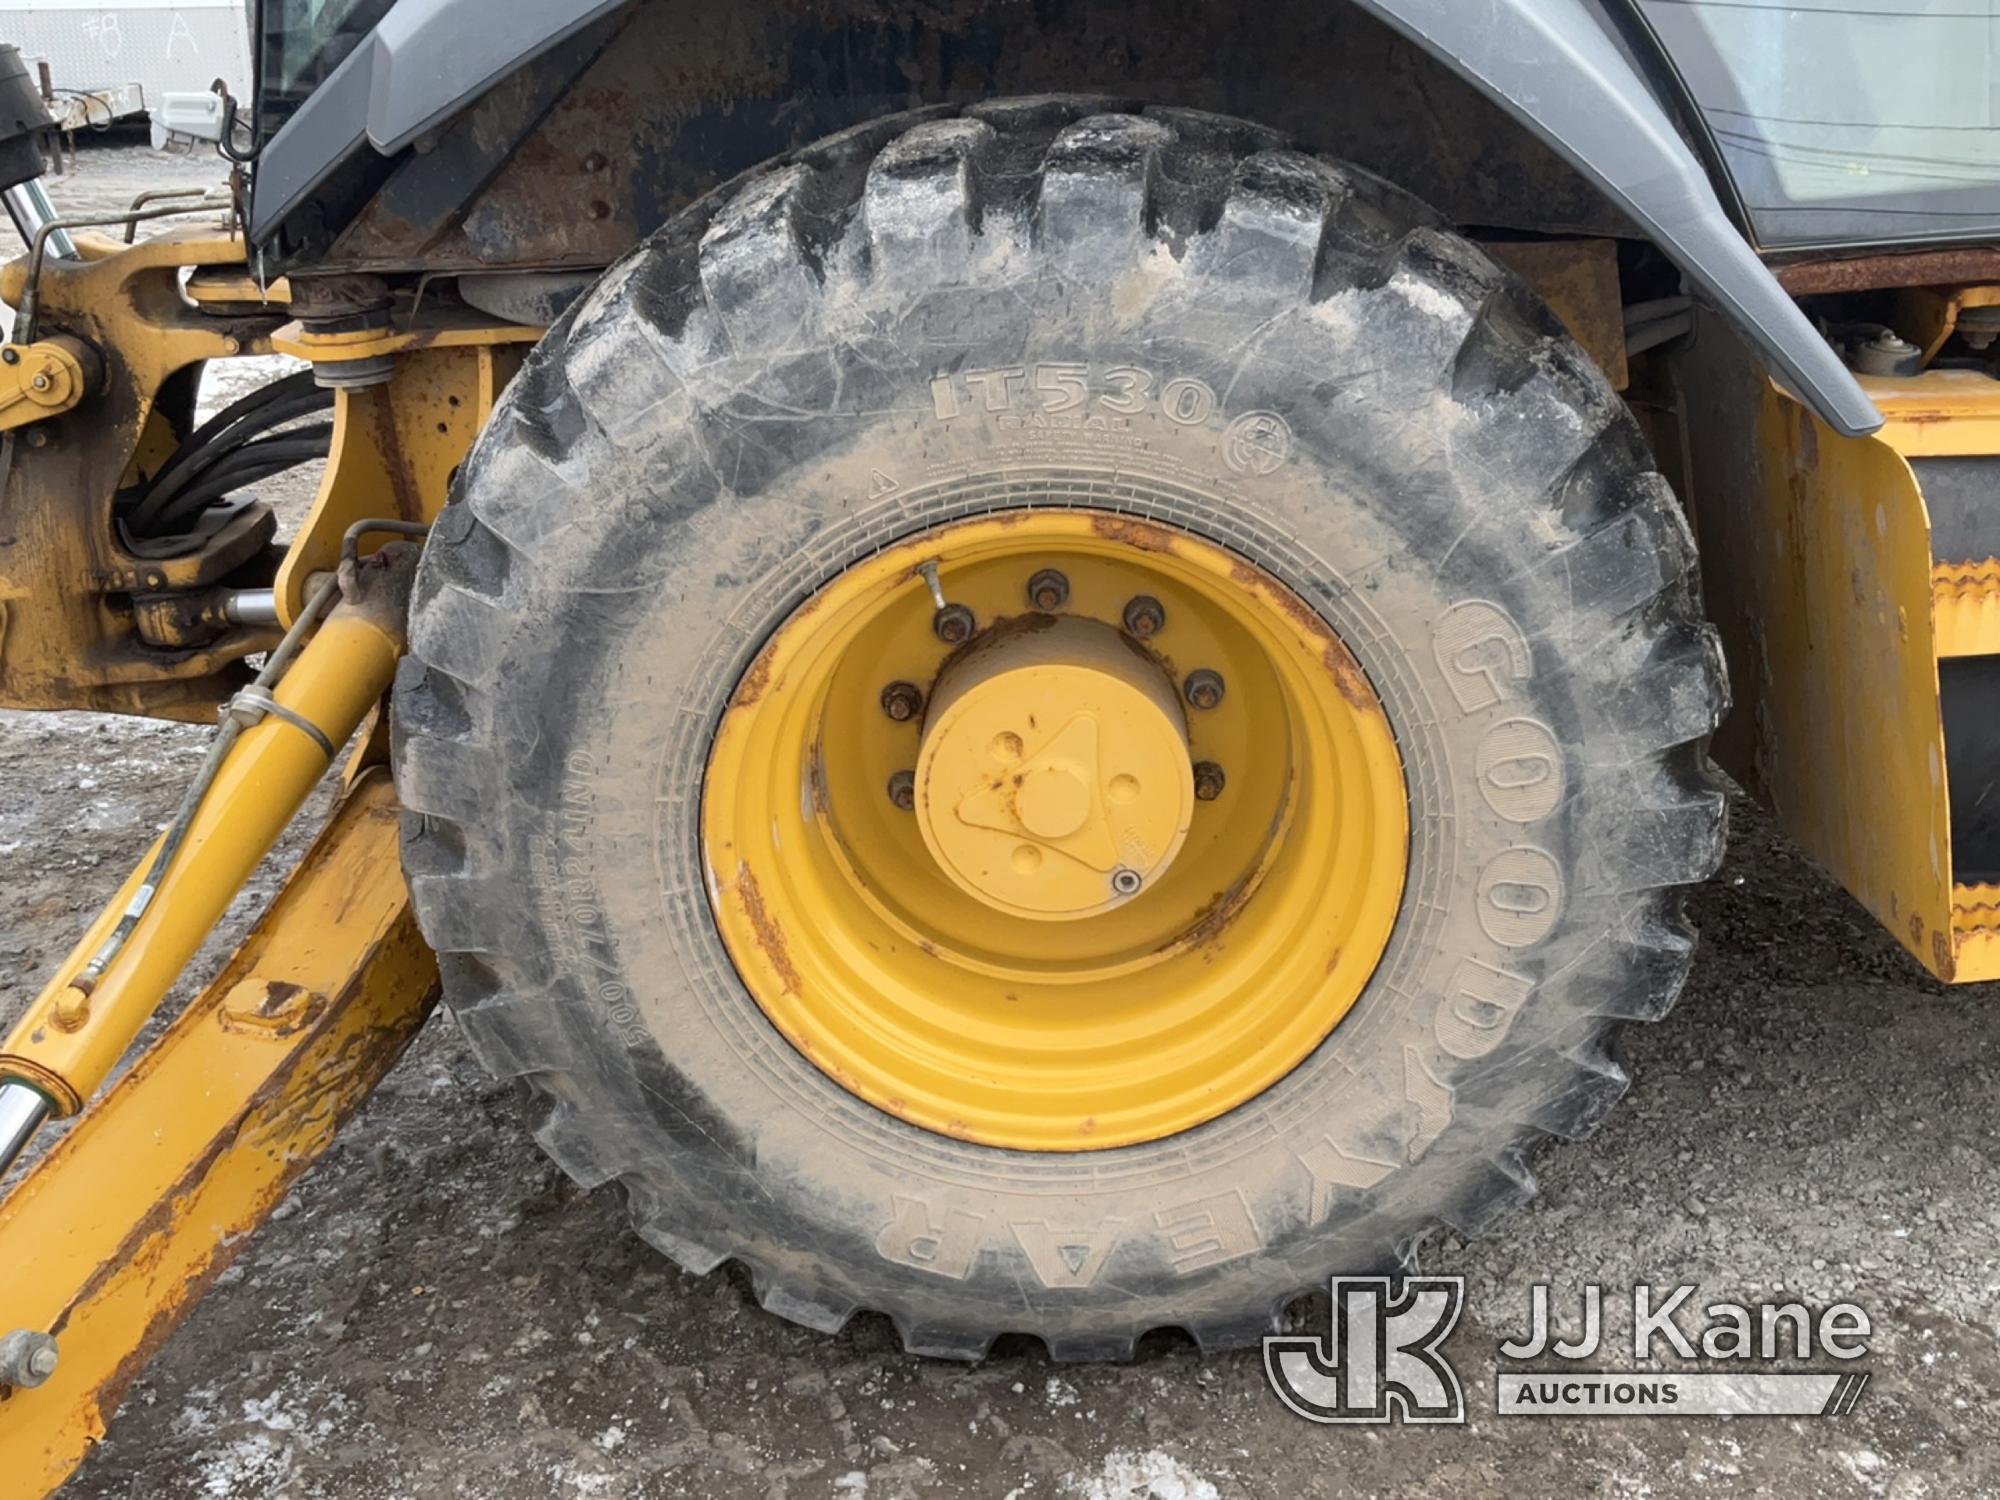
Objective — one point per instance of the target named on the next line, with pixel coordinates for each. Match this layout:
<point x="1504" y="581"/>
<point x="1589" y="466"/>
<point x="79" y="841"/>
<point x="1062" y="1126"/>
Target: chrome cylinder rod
<point x="29" y="207"/>
<point x="22" y="1111"/>
<point x="250" y="606"/>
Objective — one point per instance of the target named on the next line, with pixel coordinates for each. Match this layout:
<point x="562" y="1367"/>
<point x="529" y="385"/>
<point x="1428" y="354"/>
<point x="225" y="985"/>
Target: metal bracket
<point x="253" y="704"/>
<point x="42" y="379"/>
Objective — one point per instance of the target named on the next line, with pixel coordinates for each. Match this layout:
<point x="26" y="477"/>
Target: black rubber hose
<point x="226" y="470"/>
<point x="297" y="384"/>
<point x="251" y="424"/>
<point x="193" y="460"/>
<point x="268" y="406"/>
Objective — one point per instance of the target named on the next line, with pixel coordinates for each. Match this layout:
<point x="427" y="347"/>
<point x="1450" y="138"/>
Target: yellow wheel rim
<point x="1058" y="886"/>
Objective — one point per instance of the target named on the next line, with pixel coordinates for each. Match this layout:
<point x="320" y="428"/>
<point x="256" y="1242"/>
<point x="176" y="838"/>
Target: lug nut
<point x="1048" y="590"/>
<point x="903" y="790"/>
<point x="1144" y="615"/>
<point x="1125" y="882"/>
<point x="1208" y="780"/>
<point x="954" y="624"/>
<point x="1203" y="688"/>
<point x="902" y="701"/>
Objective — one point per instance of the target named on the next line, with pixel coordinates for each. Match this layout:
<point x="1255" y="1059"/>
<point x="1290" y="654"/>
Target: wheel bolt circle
<point x="1048" y="590"/>
<point x="903" y="790"/>
<point x="954" y="624"/>
<point x="1144" y="615"/>
<point x="1203" y="687"/>
<point x="1208" y="780"/>
<point x="902" y="701"/>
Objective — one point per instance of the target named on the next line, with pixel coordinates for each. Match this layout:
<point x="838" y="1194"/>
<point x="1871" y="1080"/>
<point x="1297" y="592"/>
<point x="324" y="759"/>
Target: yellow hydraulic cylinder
<point x="68" y="1042"/>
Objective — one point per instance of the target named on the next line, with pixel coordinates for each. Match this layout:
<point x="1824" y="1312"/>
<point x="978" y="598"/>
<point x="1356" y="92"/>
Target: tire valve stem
<point x="929" y="571"/>
<point x="953" y="623"/>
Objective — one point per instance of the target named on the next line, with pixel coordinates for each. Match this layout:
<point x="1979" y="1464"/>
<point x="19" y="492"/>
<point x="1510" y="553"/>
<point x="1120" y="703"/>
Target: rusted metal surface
<point x="1975" y="928"/>
<point x="111" y="1239"/>
<point x="336" y="301"/>
<point x="1865" y="273"/>
<point x="687" y="95"/>
<point x="1966" y="607"/>
<point x="1579" y="281"/>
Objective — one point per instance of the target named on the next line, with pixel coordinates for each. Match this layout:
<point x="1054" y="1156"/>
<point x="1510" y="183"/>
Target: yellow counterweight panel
<point x="1850" y="673"/>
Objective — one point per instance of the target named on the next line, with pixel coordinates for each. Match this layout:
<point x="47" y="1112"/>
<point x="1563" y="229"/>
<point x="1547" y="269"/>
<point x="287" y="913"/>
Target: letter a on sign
<point x="1383" y="1360"/>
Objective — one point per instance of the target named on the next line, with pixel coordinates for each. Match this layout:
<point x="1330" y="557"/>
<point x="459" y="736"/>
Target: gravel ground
<point x="435" y="1311"/>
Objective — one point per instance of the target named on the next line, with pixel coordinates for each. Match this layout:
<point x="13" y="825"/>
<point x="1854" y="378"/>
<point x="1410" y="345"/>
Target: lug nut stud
<point x="954" y="624"/>
<point x="1208" y="780"/>
<point x="902" y="701"/>
<point x="1203" y="688"/>
<point x="1144" y="615"/>
<point x="1048" y="590"/>
<point x="903" y="790"/>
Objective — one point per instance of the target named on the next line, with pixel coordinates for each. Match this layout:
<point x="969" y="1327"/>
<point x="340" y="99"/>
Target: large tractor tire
<point x="1057" y="719"/>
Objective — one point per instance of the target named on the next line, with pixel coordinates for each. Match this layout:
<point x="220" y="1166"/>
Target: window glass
<point x="1847" y="121"/>
<point x="302" y="41"/>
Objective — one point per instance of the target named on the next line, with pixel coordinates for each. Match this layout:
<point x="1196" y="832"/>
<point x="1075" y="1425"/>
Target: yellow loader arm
<point x="112" y="1235"/>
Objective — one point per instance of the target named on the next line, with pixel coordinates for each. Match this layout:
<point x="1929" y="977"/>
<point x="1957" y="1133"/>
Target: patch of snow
<point x="252" y="1465"/>
<point x="1143" y="1476"/>
<point x="1427" y="299"/>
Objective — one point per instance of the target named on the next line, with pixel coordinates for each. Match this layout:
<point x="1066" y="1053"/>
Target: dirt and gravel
<point x="435" y="1311"/>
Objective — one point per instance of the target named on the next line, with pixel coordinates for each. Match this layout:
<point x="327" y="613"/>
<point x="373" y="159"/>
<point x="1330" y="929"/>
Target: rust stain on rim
<point x="1147" y="536"/>
<point x="770" y="937"/>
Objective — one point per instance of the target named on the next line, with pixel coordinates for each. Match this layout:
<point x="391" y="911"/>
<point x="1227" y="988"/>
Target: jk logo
<point x="1382" y="1362"/>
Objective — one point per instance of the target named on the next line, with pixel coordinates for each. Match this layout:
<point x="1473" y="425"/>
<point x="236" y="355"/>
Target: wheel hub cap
<point x="1054" y="758"/>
